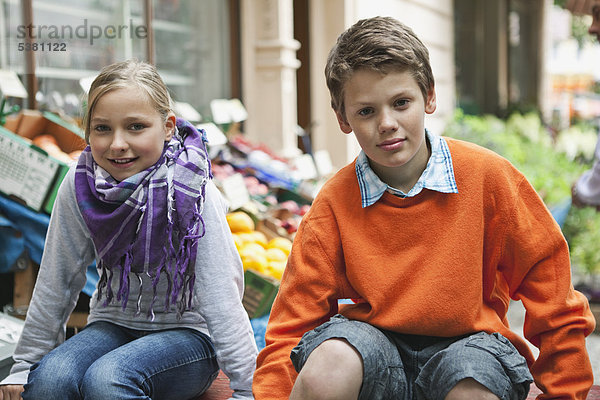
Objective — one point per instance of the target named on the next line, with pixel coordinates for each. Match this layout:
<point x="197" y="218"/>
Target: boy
<point x="431" y="237"/>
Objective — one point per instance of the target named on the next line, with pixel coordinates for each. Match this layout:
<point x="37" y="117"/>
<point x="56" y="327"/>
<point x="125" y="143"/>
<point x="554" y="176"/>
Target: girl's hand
<point x="11" y="392"/>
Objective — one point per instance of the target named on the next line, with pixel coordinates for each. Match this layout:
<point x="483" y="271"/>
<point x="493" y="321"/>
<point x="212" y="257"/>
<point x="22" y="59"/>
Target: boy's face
<point x="387" y="115"/>
<point x="127" y="134"/>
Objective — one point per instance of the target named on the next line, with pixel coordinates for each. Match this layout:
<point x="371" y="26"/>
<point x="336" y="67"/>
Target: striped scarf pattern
<point x="149" y="223"/>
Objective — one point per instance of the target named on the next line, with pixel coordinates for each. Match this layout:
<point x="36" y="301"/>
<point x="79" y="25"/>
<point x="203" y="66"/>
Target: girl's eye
<point x="365" y="111"/>
<point x="137" y="127"/>
<point x="101" y="128"/>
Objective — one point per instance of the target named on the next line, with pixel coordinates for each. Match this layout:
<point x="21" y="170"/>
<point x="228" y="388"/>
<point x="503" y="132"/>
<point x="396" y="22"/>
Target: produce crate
<point x="259" y="292"/>
<point x="29" y="174"/>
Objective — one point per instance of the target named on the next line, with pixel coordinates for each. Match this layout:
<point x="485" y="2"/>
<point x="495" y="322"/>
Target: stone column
<point x="269" y="67"/>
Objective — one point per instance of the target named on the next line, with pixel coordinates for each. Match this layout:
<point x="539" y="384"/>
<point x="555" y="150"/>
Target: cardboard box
<point x="29" y="174"/>
<point x="259" y="292"/>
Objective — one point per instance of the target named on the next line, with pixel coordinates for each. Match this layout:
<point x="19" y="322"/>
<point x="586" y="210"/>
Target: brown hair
<point x="380" y="44"/>
<point x="126" y="74"/>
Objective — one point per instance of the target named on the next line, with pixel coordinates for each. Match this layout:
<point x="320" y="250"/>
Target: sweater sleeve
<point x="218" y="288"/>
<point x="536" y="265"/>
<point x="68" y="251"/>
<point x="307" y="297"/>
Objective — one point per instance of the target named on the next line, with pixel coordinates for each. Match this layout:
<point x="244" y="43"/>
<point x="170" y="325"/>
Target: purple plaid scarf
<point x="149" y="223"/>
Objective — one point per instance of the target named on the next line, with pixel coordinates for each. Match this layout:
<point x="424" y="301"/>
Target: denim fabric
<point x="107" y="361"/>
<point x="490" y="359"/>
<point x="406" y="367"/>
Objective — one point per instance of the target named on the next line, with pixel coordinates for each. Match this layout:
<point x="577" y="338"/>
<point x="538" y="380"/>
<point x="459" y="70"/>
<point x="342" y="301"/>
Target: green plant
<point x="582" y="231"/>
<point x="552" y="166"/>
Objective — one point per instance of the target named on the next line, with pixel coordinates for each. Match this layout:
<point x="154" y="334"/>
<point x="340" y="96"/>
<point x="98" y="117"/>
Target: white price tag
<point x="234" y="189"/>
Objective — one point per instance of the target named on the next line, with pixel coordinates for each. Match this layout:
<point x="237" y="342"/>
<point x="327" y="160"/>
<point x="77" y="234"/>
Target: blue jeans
<point x="407" y="367"/>
<point x="107" y="361"/>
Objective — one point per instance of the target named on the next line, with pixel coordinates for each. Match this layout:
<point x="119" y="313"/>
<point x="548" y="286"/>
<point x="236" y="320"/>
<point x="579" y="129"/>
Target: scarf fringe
<point x="138" y="307"/>
<point x="124" y="281"/>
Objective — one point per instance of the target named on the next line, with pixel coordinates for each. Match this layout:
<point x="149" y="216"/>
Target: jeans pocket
<point x="513" y="363"/>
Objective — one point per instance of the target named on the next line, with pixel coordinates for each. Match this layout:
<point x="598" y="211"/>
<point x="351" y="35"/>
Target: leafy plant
<point x="582" y="231"/>
<point x="551" y="165"/>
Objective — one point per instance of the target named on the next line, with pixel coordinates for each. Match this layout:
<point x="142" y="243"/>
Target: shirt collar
<point x="437" y="176"/>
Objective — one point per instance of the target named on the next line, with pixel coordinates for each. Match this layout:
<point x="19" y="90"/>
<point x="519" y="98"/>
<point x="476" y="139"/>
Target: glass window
<point x="73" y="39"/>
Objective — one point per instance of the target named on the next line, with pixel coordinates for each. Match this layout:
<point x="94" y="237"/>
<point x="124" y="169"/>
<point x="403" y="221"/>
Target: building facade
<point x="486" y="56"/>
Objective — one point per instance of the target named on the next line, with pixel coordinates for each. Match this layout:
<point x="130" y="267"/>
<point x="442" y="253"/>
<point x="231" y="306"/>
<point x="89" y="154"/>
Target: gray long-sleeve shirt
<point x="217" y="307"/>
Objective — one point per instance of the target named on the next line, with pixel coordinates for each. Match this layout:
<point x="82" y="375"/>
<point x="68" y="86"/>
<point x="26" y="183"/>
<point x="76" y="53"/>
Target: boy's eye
<point x="365" y="111"/>
<point x="401" y="103"/>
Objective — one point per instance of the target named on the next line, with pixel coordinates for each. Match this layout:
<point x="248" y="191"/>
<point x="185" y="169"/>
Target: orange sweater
<point x="435" y="264"/>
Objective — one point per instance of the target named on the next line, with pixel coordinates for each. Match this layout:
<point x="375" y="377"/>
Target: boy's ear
<point x="430" y="102"/>
<point x="342" y="122"/>
<point x="170" y="126"/>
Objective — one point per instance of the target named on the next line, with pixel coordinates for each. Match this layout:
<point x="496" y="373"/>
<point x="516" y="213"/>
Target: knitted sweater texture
<point x="435" y="264"/>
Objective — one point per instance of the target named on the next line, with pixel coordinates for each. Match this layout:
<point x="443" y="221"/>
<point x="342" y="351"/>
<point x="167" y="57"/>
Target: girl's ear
<point x="342" y="123"/>
<point x="170" y="126"/>
<point x="430" y="102"/>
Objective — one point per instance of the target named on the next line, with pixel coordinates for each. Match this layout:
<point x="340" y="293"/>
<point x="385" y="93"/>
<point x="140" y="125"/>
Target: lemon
<point x="259" y="237"/>
<point x="280" y="243"/>
<point x="238" y="240"/>
<point x="245" y="237"/>
<point x="276" y="254"/>
<point x="256" y="262"/>
<point x="253" y="256"/>
<point x="275" y="269"/>
<point x="239" y="221"/>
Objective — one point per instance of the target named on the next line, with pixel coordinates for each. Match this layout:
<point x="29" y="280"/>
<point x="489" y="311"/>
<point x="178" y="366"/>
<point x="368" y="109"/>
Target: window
<point x="73" y="39"/>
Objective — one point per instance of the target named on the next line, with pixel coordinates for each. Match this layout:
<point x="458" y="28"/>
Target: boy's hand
<point x="11" y="392"/>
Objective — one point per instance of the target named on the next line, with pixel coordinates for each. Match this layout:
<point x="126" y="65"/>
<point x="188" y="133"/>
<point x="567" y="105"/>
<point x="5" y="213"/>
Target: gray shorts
<point x="398" y="366"/>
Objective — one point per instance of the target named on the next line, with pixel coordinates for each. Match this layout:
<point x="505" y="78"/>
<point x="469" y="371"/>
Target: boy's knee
<point x="334" y="370"/>
<point x="469" y="388"/>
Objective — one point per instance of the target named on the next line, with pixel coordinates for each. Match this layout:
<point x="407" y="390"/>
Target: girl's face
<point x="127" y="134"/>
<point x="386" y="112"/>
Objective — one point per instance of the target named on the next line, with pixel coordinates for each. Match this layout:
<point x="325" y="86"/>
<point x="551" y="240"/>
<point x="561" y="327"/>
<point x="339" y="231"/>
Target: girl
<point x="167" y="311"/>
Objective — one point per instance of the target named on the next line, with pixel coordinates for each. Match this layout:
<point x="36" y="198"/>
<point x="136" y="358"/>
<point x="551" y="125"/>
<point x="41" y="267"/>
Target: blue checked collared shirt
<point x="438" y="175"/>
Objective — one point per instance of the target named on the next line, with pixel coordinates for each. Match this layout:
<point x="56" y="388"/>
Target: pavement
<point x="516" y="317"/>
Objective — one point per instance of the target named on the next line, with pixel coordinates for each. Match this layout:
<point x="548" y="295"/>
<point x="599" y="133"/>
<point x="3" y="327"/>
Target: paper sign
<point x="225" y="111"/>
<point x="86" y="83"/>
<point x="215" y="136"/>
<point x="323" y="161"/>
<point x="234" y="189"/>
<point x="10" y="85"/>
<point x="237" y="110"/>
<point x="305" y="167"/>
<point x="186" y="111"/>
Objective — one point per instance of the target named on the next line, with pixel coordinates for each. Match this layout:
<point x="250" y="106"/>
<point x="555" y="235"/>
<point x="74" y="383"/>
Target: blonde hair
<point x="126" y="74"/>
<point x="380" y="44"/>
